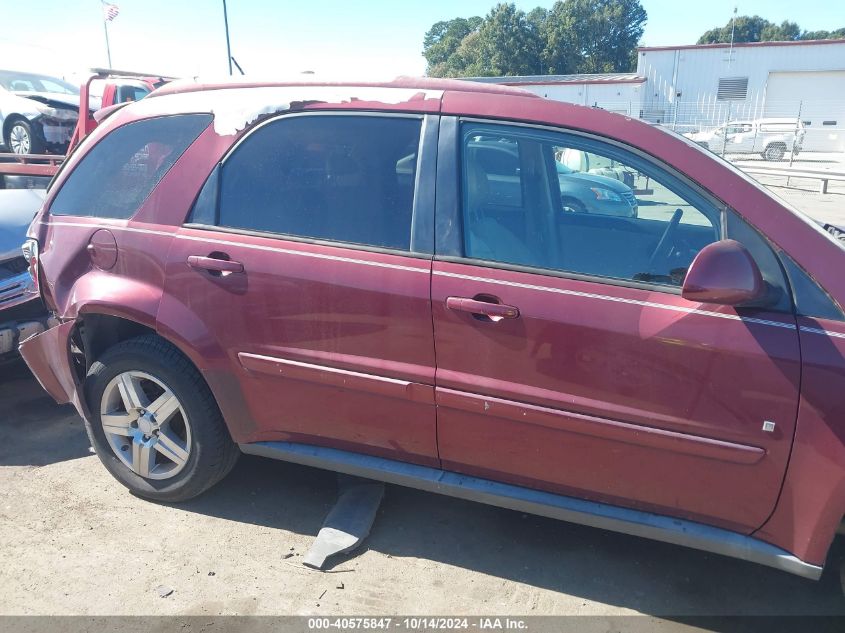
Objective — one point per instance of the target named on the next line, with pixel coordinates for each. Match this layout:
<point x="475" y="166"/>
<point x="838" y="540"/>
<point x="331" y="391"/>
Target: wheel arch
<point x="9" y="120"/>
<point x="98" y="328"/>
<point x="95" y="332"/>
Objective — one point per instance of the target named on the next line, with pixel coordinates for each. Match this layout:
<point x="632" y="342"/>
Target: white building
<point x="699" y="86"/>
<point x="702" y="86"/>
<point x="617" y="92"/>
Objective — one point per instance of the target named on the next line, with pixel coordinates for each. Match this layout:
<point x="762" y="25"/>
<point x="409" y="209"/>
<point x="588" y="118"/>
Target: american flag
<point x="110" y="11"/>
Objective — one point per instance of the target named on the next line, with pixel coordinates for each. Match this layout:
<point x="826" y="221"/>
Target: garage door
<point x="822" y="98"/>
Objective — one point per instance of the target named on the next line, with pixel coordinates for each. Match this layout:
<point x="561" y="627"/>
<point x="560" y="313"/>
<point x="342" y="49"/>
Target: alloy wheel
<point x="19" y="140"/>
<point x="145" y="425"/>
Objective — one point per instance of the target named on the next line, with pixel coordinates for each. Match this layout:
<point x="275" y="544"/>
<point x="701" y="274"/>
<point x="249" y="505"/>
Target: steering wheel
<point x="666" y="238"/>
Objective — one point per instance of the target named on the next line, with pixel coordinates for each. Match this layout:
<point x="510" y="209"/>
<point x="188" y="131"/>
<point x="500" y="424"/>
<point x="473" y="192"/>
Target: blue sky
<point x="376" y="38"/>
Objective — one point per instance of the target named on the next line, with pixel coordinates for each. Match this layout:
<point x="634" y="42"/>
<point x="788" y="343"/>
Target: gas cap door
<point x="102" y="249"/>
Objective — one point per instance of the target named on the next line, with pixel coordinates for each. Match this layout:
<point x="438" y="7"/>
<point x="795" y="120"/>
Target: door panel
<point x="311" y="292"/>
<point x="330" y="345"/>
<point x="617" y="394"/>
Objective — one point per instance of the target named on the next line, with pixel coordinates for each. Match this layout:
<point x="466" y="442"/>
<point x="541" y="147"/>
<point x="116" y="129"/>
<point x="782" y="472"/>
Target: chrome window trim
<point x="229" y="230"/>
<point x="425" y="258"/>
<point x="272" y="249"/>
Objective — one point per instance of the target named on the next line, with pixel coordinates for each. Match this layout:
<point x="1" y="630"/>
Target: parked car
<point x="591" y="193"/>
<point x="250" y="268"/>
<point x="22" y="312"/>
<point x="40" y="113"/>
<point x="498" y="166"/>
<point x="37" y="112"/>
<point x="771" y="138"/>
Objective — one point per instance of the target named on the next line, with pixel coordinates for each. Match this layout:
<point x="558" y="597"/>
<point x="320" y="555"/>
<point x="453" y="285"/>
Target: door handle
<point x="494" y="311"/>
<point x="214" y="264"/>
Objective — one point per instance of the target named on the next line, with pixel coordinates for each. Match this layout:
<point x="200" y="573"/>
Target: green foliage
<point x="506" y="44"/>
<point x="573" y="36"/>
<point x="838" y="34"/>
<point x="593" y="36"/>
<point x="443" y="40"/>
<point x="757" y="29"/>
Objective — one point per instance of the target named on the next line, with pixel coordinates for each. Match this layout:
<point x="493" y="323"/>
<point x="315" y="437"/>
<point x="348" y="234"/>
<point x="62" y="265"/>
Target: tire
<point x="572" y="205"/>
<point x="174" y="459"/>
<point x="20" y="138"/>
<point x="774" y="152"/>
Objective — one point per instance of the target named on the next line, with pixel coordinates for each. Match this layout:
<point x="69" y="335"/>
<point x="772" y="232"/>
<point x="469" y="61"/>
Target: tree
<point x="824" y="35"/>
<point x="573" y="36"/>
<point x="507" y="44"/>
<point x="443" y="39"/>
<point x="744" y="29"/>
<point x="785" y="32"/>
<point x="757" y="29"/>
<point x="593" y="36"/>
<point x="536" y="22"/>
<point x="559" y="53"/>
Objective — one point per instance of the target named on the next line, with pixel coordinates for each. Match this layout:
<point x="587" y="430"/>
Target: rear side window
<point x="337" y="178"/>
<point x="117" y="175"/>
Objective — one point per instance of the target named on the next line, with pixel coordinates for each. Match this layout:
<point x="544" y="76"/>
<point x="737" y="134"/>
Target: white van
<point x="771" y="138"/>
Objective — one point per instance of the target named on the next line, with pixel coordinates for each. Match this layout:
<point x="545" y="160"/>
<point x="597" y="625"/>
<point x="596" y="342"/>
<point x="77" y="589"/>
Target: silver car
<point x="580" y="191"/>
<point x="37" y="112"/>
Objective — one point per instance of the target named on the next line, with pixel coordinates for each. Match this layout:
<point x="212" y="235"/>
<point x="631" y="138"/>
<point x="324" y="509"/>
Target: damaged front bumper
<point x="48" y="357"/>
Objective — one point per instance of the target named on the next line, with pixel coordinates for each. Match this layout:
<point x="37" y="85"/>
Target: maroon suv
<point x="400" y="281"/>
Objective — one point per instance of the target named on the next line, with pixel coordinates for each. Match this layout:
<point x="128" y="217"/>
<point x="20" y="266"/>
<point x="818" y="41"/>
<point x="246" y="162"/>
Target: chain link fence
<point x="752" y="129"/>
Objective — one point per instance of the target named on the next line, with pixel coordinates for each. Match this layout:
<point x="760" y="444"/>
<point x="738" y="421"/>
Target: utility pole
<point x="228" y="47"/>
<point x="730" y="51"/>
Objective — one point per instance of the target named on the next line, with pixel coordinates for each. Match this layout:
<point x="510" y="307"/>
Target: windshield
<point x="27" y="82"/>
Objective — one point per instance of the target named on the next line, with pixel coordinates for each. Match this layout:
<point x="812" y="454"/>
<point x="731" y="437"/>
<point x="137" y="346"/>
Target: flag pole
<point x="228" y="48"/>
<point x="106" y="29"/>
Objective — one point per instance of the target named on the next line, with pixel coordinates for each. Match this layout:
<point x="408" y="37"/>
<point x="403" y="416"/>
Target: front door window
<point x="572" y="205"/>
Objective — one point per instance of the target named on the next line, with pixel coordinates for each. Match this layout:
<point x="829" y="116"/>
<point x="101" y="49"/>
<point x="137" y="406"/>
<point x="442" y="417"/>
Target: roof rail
<point x="106" y="72"/>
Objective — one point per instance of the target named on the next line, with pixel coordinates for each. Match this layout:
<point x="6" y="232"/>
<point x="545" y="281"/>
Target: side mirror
<point x="723" y="273"/>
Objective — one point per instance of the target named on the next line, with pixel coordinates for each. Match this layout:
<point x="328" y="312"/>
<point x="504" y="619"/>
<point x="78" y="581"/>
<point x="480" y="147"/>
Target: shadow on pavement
<point x="34" y="430"/>
<point x="646" y="576"/>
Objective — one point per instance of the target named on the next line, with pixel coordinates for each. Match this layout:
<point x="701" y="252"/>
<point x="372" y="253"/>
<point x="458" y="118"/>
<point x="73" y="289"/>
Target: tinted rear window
<point x="337" y="178"/>
<point x="117" y="175"/>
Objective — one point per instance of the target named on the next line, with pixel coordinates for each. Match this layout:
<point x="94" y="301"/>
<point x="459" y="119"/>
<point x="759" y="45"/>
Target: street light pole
<point x="228" y="47"/>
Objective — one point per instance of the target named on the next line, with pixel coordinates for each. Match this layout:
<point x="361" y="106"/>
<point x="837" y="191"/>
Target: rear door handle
<point x="215" y="265"/>
<point x="495" y="311"/>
